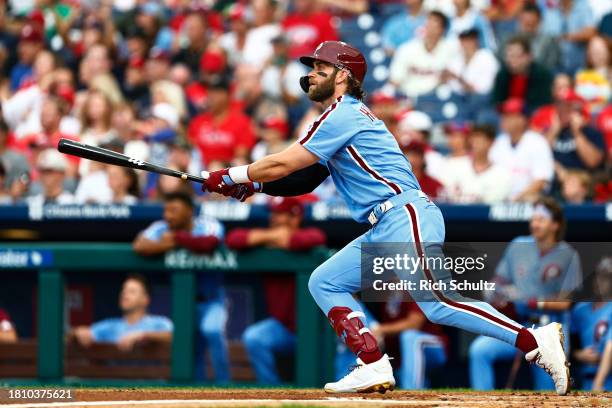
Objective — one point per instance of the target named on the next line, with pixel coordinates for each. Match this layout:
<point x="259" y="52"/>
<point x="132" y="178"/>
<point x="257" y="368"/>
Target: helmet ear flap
<point x="305" y="83"/>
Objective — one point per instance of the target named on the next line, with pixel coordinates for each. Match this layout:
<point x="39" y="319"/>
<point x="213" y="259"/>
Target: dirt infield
<point x="249" y="397"/>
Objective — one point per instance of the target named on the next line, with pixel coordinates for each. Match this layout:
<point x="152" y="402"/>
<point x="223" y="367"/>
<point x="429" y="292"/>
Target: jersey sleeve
<point x="154" y="231"/>
<point x="207" y="227"/>
<point x="502" y="270"/>
<point x="329" y="132"/>
<point x="162" y="324"/>
<point x="103" y="331"/>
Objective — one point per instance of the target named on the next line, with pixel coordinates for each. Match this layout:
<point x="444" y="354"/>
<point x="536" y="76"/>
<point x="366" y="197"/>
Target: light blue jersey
<point x="362" y="156"/>
<point x="592" y="324"/>
<point x="202" y="227"/>
<point x="209" y="284"/>
<point x="537" y="275"/>
<point x="111" y="330"/>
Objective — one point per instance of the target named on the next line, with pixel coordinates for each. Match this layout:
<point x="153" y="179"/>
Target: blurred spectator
<point x="603" y="371"/>
<point x="135" y="326"/>
<point x="257" y="47"/>
<point x="193" y="40"/>
<point x="402" y="27"/>
<point x="575" y="144"/>
<point x="604" y="125"/>
<point x="385" y="106"/>
<point x="605" y="26"/>
<point x="276" y="334"/>
<point x="456" y="140"/>
<point x="8" y="334"/>
<point x="591" y="322"/>
<point x="222" y="133"/>
<point x="417" y="126"/>
<point x="5" y="196"/>
<point x="31" y="42"/>
<point x="15" y="165"/>
<point x="97" y="61"/>
<point x="575" y="186"/>
<point x="417" y="66"/>
<point x="280" y="79"/>
<point x="543" y="117"/>
<point x="521" y="77"/>
<point x="96" y="119"/>
<point x="415" y="152"/>
<point x="346" y="7"/>
<point x="306" y="26"/>
<point x="150" y="18"/>
<point x="466" y="18"/>
<point x="473" y="70"/>
<point x="594" y="82"/>
<point x="473" y="178"/>
<point x="180" y="229"/>
<point x="524" y="153"/>
<point x="538" y="274"/>
<point x="273" y="135"/>
<point x="572" y="21"/>
<point x="93" y="187"/>
<point x="123" y="183"/>
<point x="51" y="166"/>
<point x="233" y="41"/>
<point x="158" y="65"/>
<point x="544" y="47"/>
<point x="503" y="15"/>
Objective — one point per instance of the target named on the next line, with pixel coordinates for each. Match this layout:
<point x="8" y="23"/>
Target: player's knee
<point x="477" y="349"/>
<point x="251" y="338"/>
<point x="315" y="282"/>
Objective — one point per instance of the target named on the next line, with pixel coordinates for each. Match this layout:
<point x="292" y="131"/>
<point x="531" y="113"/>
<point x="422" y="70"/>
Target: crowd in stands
<point x="491" y="100"/>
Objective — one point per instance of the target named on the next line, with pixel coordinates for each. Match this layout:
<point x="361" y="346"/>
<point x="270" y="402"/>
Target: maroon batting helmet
<point x="341" y="54"/>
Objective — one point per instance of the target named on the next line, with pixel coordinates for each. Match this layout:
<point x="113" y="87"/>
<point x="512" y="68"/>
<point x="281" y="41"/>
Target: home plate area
<point x="266" y="397"/>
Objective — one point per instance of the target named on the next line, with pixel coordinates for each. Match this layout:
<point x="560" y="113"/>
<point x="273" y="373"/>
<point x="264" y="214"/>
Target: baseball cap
<point x="415" y="120"/>
<point x="469" y="33"/>
<point x="286" y="205"/>
<point x="30" y="33"/>
<point x="212" y="61"/>
<point x="159" y="54"/>
<point x="51" y="159"/>
<point x="512" y="106"/>
<point x="415" y="146"/>
<point x="167" y="112"/>
<point x="276" y="123"/>
<point x="237" y="12"/>
<point x="457" y="127"/>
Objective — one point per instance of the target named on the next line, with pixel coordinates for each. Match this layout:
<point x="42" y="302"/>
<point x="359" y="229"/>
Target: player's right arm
<point x="153" y="241"/>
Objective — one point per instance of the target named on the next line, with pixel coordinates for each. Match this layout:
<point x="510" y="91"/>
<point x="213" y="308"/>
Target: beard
<point x="323" y="91"/>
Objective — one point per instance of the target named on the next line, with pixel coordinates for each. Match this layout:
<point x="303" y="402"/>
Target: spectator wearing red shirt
<point x="8" y="334"/>
<point x="543" y="117"/>
<point x="308" y="26"/>
<point x="520" y="77"/>
<point x="604" y="124"/>
<point x="223" y="133"/>
<point x="276" y="334"/>
<point x="415" y="152"/>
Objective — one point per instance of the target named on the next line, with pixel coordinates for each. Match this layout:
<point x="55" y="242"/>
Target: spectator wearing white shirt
<point x="473" y="70"/>
<point x="475" y="179"/>
<point x="524" y="153"/>
<point x="415" y="126"/>
<point x="258" y="42"/>
<point x="52" y="166"/>
<point x="417" y="66"/>
<point x="467" y="17"/>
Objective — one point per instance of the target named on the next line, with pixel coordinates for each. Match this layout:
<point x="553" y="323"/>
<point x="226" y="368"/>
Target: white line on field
<point x="228" y="402"/>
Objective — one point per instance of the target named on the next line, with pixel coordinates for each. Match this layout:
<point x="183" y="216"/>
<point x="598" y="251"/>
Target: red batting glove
<point x="218" y="182"/>
<point x="243" y="191"/>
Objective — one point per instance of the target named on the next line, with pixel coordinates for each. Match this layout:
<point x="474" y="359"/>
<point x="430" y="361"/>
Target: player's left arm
<point x="282" y="164"/>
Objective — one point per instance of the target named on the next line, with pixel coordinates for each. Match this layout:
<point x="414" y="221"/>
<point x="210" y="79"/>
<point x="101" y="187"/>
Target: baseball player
<point x="377" y="183"/>
<point x="538" y="273"/>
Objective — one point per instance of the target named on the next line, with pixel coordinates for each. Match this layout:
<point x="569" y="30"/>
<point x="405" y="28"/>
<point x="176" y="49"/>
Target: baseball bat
<point x="102" y="155"/>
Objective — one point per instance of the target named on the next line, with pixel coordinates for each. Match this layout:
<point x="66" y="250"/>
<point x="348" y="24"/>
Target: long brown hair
<point x="85" y="120"/>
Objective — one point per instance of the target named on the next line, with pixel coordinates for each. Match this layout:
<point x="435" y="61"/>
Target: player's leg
<point x="484" y="352"/>
<point x="262" y="340"/>
<point x="421" y="223"/>
<point x="420" y="352"/>
<point x="212" y="328"/>
<point x="345" y="359"/>
<point x="331" y="286"/>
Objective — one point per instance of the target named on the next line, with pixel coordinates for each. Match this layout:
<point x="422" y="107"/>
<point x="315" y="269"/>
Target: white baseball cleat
<point x="550" y="355"/>
<point x="376" y="376"/>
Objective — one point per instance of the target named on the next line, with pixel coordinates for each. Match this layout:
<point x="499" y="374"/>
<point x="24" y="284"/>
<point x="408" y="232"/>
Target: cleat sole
<point x="567" y="364"/>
